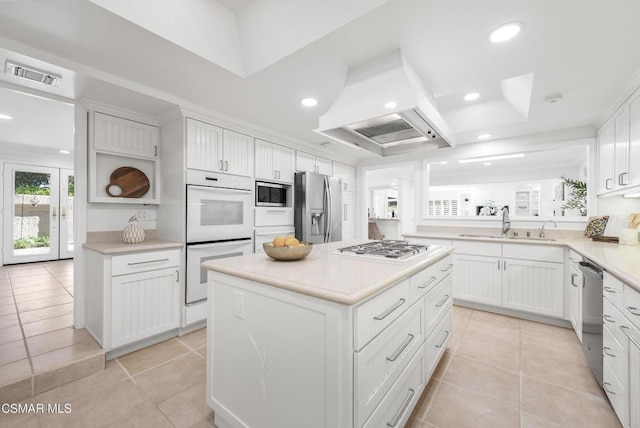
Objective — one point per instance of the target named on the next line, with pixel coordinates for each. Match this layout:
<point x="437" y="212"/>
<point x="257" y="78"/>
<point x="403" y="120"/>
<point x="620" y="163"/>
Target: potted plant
<point x="576" y="197"/>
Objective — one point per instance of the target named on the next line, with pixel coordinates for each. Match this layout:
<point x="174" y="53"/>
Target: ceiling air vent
<point x="33" y="74"/>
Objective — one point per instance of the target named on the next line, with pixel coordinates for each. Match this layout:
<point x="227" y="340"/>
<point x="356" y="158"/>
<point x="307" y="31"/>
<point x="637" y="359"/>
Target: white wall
<point x="110" y="217"/>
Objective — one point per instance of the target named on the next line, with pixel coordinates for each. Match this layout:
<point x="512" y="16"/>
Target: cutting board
<point x="128" y="182"/>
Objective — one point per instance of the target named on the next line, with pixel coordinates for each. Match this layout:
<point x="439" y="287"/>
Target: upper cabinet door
<point x="305" y="162"/>
<point x="264" y="161"/>
<point x="204" y="146"/>
<point x="125" y="137"/>
<point x="348" y="175"/>
<point x="634" y="140"/>
<point x="324" y="166"/>
<point x="237" y="153"/>
<point x="605" y="157"/>
<point x="284" y="163"/>
<point x="621" y="143"/>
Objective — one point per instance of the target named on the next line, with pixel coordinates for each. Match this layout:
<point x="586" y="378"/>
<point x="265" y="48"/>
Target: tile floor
<point x="39" y="348"/>
<point x="500" y="371"/>
<point x="497" y="372"/>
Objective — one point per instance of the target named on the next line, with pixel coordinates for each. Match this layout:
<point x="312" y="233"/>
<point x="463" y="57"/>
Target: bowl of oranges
<point x="287" y="248"/>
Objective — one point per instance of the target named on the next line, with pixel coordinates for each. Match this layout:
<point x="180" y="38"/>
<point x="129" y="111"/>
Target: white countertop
<point x="325" y="274"/>
<point x="622" y="261"/>
<point x="119" y="247"/>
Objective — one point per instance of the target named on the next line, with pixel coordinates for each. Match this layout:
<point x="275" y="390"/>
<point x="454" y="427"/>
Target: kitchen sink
<point x="525" y="238"/>
<point x="531" y="238"/>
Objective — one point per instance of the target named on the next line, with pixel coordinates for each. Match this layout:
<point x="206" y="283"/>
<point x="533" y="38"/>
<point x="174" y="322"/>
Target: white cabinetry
<point x="619" y="148"/>
<point x="533" y="286"/>
<point x="634" y="384"/>
<point x="621" y="349"/>
<point x="125" y="137"/>
<point x="114" y="143"/>
<point x="132" y="297"/>
<point x="311" y="163"/>
<point x="634" y="140"/>
<point x="517" y="276"/>
<point x="274" y="162"/>
<point x="605" y="157"/>
<point x="347" y="174"/>
<point x="575" y="286"/>
<point x="478" y="275"/>
<point x="478" y="279"/>
<point x="302" y="361"/>
<point x="348" y="215"/>
<point x="211" y="148"/>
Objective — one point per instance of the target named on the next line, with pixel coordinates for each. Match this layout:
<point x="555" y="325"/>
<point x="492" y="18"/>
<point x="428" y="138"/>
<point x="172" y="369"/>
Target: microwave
<point x="271" y="194"/>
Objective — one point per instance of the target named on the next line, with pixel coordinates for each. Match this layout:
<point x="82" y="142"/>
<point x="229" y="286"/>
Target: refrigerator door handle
<point x="328" y="210"/>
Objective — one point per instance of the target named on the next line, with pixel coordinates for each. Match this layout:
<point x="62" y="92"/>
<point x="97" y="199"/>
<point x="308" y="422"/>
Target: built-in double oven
<point x="220" y="219"/>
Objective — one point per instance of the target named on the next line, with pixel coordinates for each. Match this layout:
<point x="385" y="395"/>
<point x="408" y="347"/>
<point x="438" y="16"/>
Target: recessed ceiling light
<point x="490" y="158"/>
<point x="391" y="104"/>
<point x="484" y="136"/>
<point x="309" y="102"/>
<point x="5" y="117"/>
<point x="471" y="96"/>
<point x="65" y="152"/>
<point x="443" y="163"/>
<point x="505" y="32"/>
<point x="487" y="163"/>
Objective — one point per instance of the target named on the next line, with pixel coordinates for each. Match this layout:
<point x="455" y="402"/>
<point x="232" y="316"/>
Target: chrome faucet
<point x="541" y="234"/>
<point x="506" y="224"/>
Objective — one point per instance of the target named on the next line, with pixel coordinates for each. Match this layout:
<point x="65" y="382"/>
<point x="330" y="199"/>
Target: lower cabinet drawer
<point x="378" y="365"/>
<point x="613" y="319"/>
<point x="632" y="305"/>
<point x="273" y="216"/>
<point x="618" y="396"/>
<point x="397" y="405"/>
<point x="424" y="281"/>
<point x="614" y="354"/>
<point x="142" y="262"/>
<point x="612" y="289"/>
<point x="374" y="315"/>
<point x="437" y="342"/>
<point x="437" y="302"/>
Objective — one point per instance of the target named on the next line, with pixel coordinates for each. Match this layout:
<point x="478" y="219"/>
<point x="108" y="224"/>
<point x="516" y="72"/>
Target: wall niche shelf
<point x="138" y="145"/>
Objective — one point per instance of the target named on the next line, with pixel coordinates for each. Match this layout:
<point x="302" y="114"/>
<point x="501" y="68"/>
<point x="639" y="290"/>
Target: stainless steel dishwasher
<point x="592" y="316"/>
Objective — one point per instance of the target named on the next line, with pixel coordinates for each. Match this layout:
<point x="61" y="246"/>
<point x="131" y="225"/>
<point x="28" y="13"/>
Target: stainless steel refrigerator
<point x="318" y="206"/>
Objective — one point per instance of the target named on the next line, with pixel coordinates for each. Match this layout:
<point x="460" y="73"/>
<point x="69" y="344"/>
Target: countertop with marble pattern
<point x="621" y="261"/>
<point x="325" y="273"/>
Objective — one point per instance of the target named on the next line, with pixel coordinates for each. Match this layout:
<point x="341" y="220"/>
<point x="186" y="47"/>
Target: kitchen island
<point x="332" y="340"/>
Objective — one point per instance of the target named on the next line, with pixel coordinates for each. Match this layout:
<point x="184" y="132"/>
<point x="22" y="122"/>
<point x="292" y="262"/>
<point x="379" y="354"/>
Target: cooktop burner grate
<point x="387" y="248"/>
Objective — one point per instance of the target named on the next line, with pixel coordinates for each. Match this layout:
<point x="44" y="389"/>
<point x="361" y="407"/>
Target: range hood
<point x="384" y="108"/>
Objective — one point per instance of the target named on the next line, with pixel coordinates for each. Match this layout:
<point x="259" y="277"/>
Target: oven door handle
<point x="215" y="189"/>
<point x="243" y="241"/>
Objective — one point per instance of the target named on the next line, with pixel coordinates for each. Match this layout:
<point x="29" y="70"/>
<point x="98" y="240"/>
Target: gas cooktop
<point x="387" y="249"/>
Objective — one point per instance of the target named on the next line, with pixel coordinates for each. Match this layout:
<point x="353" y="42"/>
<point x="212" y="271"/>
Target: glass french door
<point x="67" y="189"/>
<point x="37" y="217"/>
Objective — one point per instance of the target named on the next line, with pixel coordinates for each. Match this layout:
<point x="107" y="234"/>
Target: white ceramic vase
<point x="133" y="233"/>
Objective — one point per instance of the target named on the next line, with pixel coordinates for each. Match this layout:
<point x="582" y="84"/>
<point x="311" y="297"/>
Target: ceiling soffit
<point x="242" y="37"/>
